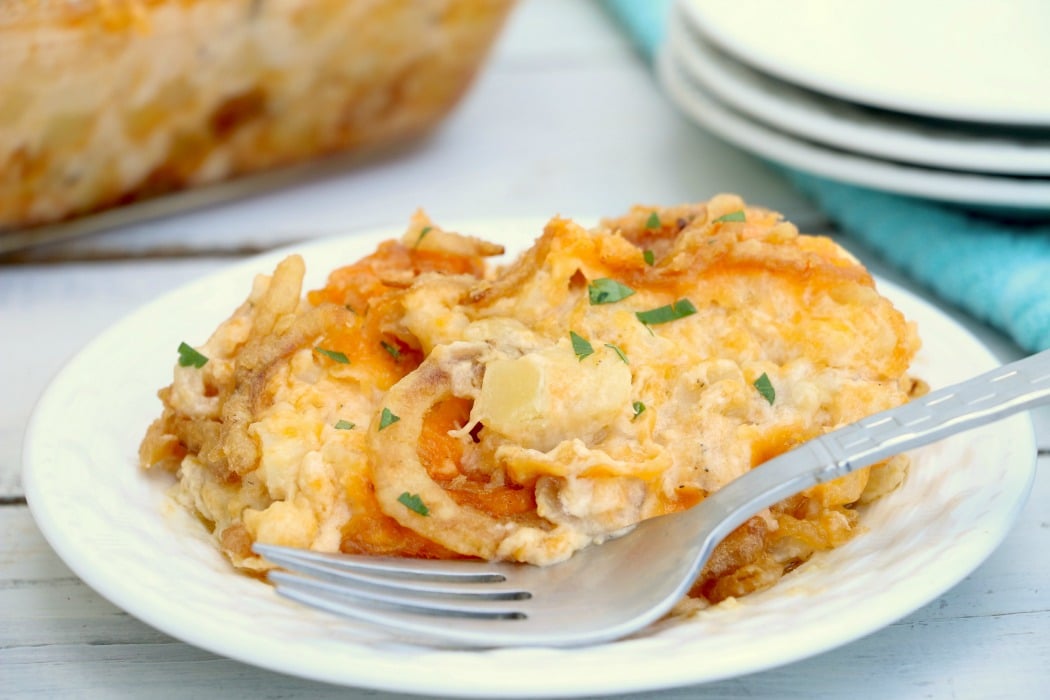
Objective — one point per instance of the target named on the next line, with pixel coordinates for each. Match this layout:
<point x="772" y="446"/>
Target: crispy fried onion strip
<point x="255" y="366"/>
<point x="450" y="370"/>
<point x="278" y="330"/>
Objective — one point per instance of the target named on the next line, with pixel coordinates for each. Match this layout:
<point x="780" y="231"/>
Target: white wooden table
<point x="566" y="119"/>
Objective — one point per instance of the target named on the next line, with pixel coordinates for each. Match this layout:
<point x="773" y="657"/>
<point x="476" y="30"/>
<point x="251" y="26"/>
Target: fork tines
<point x="356" y="585"/>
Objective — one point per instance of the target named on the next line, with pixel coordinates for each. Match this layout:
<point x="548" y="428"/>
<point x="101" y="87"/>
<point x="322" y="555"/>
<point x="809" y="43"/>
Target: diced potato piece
<point x="545" y="397"/>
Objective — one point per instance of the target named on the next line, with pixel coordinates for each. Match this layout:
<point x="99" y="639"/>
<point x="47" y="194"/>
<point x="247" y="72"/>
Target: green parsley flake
<point x="731" y="216"/>
<point x="580" y="346"/>
<point x="344" y="425"/>
<point x="649" y="258"/>
<point x="414" y="503"/>
<point x="639" y="408"/>
<point x="619" y="351"/>
<point x="391" y="350"/>
<point x="663" y="314"/>
<point x="422" y="235"/>
<point x="653" y="221"/>
<point x="188" y="357"/>
<point x="765" y="387"/>
<point x="334" y="355"/>
<point x="386" y="419"/>
<point x="607" y="291"/>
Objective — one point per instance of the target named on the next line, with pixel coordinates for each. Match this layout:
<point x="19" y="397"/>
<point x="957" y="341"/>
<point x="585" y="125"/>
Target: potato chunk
<point x="543" y="398"/>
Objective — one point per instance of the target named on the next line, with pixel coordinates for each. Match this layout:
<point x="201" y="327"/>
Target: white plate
<point x="113" y="526"/>
<point x="1024" y="194"/>
<point x="850" y="127"/>
<point x="974" y="61"/>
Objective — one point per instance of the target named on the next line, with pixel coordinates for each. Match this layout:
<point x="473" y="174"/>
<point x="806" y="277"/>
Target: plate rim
<point x="813" y="116"/>
<point x="1028" y="196"/>
<point x="375" y="674"/>
<point x="768" y="62"/>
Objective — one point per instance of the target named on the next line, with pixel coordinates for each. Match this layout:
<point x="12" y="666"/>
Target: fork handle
<point x="985" y="398"/>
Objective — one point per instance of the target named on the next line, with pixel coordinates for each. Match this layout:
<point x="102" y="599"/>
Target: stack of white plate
<point x="946" y="101"/>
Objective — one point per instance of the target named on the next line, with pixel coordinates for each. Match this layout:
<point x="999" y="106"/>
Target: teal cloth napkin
<point x="997" y="271"/>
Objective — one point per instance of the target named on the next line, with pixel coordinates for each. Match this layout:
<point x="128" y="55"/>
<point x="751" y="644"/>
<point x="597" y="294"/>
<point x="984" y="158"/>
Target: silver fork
<point x="607" y="591"/>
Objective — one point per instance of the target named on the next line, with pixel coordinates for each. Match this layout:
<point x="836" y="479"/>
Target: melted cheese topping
<point x="529" y="420"/>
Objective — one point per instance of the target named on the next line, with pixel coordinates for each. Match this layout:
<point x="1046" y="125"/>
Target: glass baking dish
<point x="105" y="104"/>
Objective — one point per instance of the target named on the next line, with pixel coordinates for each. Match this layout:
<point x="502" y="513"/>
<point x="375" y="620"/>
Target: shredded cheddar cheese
<point x="606" y="376"/>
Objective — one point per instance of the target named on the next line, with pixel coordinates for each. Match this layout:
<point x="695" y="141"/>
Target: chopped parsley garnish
<point x="422" y="235"/>
<point x="391" y="350"/>
<point x="387" y="418"/>
<point x="344" y="425"/>
<point x="649" y="258"/>
<point x="607" y="291"/>
<point x="663" y="314"/>
<point x="765" y="387"/>
<point x="188" y="357"/>
<point x="639" y="408"/>
<point x="334" y="355"/>
<point x="580" y="346"/>
<point x="414" y="503"/>
<point x="619" y="351"/>
<point x="653" y="221"/>
<point x="731" y="216"/>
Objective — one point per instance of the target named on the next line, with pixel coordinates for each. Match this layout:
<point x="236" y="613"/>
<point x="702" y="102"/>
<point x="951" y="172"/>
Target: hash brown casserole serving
<point x="424" y="403"/>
